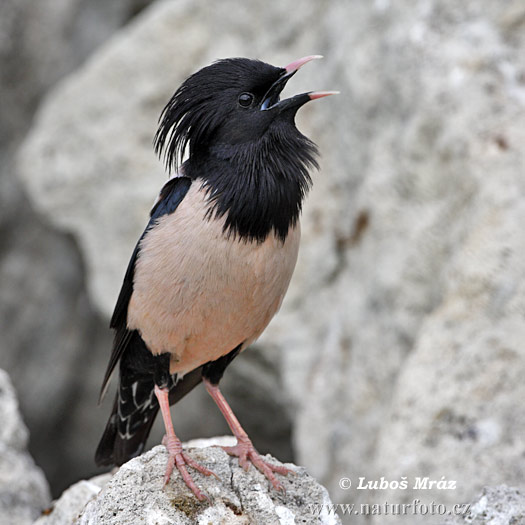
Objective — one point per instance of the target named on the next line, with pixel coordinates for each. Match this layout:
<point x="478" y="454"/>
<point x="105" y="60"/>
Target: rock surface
<point x="24" y="492"/>
<point x="135" y="494"/>
<point x="501" y="505"/>
<point x="67" y="509"/>
<point x="435" y="325"/>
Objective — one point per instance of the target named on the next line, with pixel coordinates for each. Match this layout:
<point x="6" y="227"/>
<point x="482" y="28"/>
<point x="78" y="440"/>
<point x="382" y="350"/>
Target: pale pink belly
<point x="197" y="294"/>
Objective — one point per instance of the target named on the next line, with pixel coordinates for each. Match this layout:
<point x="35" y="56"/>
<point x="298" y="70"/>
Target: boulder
<point x="24" y="492"/>
<point x="66" y="509"/>
<point x="135" y="494"/>
<point x="499" y="505"/>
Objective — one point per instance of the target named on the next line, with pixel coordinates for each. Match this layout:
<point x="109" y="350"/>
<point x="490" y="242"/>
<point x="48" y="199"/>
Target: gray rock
<point x="13" y="432"/>
<point x="500" y="505"/>
<point x="135" y="494"/>
<point x="68" y="507"/>
<point x="42" y="41"/>
<point x="442" y="312"/>
<point x="24" y="492"/>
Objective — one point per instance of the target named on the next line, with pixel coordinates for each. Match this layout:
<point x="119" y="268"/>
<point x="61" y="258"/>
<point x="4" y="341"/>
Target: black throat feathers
<point x="259" y="186"/>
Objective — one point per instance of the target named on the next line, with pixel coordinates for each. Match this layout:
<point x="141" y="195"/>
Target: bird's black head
<point x="241" y="137"/>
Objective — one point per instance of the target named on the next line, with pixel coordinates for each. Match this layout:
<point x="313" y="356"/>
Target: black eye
<point x="245" y="99"/>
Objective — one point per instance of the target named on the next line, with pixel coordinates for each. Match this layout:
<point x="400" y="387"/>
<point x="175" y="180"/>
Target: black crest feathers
<point x="201" y="104"/>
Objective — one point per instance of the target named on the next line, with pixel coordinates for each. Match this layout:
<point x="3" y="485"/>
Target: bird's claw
<point x="180" y="459"/>
<point x="245" y="451"/>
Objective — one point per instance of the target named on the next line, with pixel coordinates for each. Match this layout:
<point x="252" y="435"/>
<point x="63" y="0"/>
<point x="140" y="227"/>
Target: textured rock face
<point x="400" y="342"/>
<point x="445" y="296"/>
<point x="135" y="494"/>
<point x="41" y="42"/>
<point x="71" y="503"/>
<point x="499" y="505"/>
<point x="24" y="492"/>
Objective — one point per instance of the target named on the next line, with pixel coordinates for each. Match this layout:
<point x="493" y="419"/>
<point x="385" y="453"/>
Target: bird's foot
<point x="247" y="454"/>
<point x="180" y="459"/>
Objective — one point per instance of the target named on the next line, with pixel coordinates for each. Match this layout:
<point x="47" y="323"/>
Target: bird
<point x="215" y="260"/>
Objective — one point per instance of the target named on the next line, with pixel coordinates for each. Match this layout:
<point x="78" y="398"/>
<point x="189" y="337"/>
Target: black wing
<point x="171" y="195"/>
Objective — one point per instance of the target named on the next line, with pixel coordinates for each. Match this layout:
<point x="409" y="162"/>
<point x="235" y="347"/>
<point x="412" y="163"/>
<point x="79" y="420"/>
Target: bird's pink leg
<point x="244" y="448"/>
<point x="177" y="457"/>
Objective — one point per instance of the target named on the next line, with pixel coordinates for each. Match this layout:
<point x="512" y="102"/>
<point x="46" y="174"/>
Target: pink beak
<point x="271" y="98"/>
<point x="320" y="94"/>
<point x="292" y="67"/>
<point x="297" y="64"/>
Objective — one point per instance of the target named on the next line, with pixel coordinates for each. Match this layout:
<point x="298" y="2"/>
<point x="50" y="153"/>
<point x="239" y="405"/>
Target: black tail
<point x="136" y="406"/>
<point x="130" y="423"/>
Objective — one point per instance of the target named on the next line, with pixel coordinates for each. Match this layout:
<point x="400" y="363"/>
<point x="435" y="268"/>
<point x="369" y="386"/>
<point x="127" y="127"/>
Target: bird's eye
<point x="245" y="99"/>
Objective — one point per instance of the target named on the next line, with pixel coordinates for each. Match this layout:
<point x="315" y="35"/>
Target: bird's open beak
<point x="271" y="98"/>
